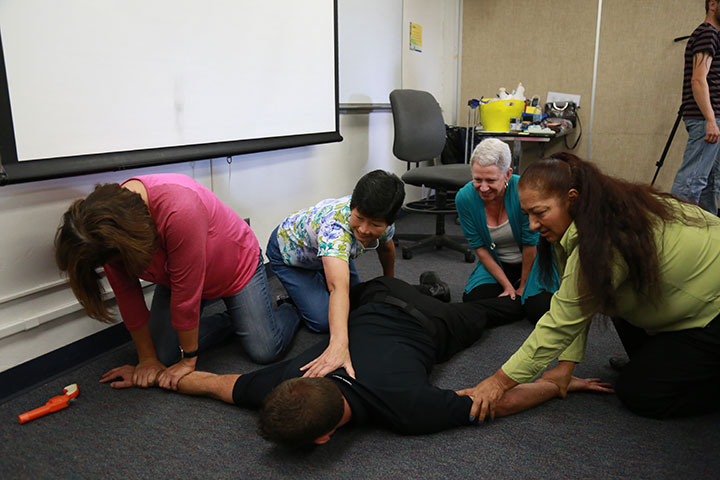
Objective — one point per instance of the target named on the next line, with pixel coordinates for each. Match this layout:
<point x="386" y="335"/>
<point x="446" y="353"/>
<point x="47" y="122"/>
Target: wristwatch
<point x="184" y="354"/>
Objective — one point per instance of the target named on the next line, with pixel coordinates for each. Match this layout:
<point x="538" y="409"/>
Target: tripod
<point x="660" y="162"/>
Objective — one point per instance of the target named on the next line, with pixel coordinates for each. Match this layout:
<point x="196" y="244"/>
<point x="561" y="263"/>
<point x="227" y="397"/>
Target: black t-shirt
<point x="392" y="355"/>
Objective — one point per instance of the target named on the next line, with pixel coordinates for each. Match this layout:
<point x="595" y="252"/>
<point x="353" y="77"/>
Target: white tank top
<point x="505" y="247"/>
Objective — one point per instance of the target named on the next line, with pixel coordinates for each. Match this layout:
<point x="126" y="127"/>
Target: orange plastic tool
<point x="53" y="405"/>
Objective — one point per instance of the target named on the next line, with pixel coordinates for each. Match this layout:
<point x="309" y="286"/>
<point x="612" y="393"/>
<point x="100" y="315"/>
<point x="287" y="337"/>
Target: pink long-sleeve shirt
<point x="206" y="251"/>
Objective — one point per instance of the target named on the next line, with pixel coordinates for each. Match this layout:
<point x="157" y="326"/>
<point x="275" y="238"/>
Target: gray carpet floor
<point x="137" y="434"/>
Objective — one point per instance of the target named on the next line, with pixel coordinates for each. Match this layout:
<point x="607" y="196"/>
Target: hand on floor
<point x="589" y="385"/>
<point x="123" y="377"/>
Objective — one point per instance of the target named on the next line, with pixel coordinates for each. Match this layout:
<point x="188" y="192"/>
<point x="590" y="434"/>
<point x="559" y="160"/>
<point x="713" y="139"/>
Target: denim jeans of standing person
<point x="264" y="332"/>
<point x="307" y="288"/>
<point x="698" y="179"/>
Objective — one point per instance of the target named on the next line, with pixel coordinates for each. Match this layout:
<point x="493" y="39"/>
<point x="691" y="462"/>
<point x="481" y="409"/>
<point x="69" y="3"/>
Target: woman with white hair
<point x="499" y="231"/>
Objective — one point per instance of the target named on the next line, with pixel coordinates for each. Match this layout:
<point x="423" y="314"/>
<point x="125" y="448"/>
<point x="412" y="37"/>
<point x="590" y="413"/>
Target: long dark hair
<point x="611" y="216"/>
<point x="111" y="223"/>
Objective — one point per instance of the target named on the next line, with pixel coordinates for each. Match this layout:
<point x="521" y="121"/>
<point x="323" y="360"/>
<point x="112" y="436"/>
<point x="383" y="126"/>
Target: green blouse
<point x="689" y="263"/>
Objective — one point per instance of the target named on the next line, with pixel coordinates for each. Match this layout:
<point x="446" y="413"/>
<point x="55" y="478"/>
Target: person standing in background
<point x="698" y="179"/>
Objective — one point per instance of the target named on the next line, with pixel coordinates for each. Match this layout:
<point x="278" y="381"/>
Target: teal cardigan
<point x="471" y="211"/>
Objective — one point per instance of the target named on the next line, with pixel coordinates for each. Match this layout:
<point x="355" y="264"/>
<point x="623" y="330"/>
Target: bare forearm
<point x="386" y="255"/>
<point x="189" y="343"/>
<point x="702" y="61"/>
<point x="206" y="384"/>
<point x="553" y="383"/>
<point x="337" y="277"/>
<point x="701" y="94"/>
<point x="528" y="257"/>
<point x="525" y="396"/>
<point x="492" y="266"/>
<point x="188" y="339"/>
<point x="143" y="343"/>
<point x="338" y="311"/>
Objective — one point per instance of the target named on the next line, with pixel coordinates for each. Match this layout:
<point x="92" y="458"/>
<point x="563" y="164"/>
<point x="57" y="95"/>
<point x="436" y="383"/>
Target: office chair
<point x="419" y="137"/>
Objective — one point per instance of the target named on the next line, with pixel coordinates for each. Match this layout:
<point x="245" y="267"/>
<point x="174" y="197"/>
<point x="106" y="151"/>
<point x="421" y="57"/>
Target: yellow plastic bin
<point x="495" y="115"/>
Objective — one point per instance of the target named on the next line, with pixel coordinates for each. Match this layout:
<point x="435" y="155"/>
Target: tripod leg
<point x="660" y="162"/>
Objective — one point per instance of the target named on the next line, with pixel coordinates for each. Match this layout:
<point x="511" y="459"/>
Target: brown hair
<point x="110" y="223"/>
<point x="612" y="216"/>
<point x="300" y="410"/>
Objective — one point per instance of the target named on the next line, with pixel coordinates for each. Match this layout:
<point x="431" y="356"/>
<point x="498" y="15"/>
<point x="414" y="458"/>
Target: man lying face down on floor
<point x="396" y="336"/>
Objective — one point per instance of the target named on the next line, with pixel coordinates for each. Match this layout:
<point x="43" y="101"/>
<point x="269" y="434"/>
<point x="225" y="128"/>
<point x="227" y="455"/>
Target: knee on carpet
<point x="263" y="355"/>
<point x="642" y="398"/>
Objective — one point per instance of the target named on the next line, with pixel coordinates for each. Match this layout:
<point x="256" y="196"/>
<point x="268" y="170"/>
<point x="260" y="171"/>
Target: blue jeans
<point x="264" y="332"/>
<point x="307" y="288"/>
<point x="698" y="179"/>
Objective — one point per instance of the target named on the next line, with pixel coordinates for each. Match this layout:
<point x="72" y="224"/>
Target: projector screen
<point x="96" y="85"/>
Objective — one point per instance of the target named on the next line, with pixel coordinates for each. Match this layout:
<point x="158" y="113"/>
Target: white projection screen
<point x="97" y="85"/>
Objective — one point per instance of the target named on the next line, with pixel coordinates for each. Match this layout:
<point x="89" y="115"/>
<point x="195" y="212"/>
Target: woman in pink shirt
<point x="174" y="232"/>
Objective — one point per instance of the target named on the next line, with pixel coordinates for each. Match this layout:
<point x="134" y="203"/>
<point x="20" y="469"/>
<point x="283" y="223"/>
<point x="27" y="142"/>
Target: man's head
<point x="712" y="11"/>
<point x="301" y="411"/>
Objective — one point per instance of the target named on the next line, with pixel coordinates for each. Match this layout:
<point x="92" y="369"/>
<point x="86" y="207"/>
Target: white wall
<point x="434" y="68"/>
<point x="38" y="313"/>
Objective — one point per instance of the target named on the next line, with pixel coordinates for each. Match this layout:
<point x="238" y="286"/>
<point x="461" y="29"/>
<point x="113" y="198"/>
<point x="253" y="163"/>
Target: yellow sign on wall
<point x="415" y="37"/>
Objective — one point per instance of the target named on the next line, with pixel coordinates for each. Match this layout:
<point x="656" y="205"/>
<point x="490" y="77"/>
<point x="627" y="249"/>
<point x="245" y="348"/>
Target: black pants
<point x="452" y="326"/>
<point x="671" y="374"/>
<point x="534" y="308"/>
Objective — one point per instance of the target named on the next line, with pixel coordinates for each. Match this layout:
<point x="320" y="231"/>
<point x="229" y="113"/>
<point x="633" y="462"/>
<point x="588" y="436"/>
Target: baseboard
<point x="41" y="369"/>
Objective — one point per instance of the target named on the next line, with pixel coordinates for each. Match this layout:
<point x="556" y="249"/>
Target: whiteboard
<point x="90" y="78"/>
<point x="369" y="41"/>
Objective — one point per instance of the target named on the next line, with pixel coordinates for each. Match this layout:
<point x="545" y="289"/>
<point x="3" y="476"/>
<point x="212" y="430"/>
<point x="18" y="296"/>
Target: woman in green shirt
<point x="646" y="259"/>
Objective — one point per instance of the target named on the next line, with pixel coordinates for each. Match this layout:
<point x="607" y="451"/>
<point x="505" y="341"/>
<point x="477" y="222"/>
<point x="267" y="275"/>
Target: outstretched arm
<point x="547" y="387"/>
<point x="219" y="387"/>
<point x="206" y="384"/>
<point x="337" y="354"/>
<point x="556" y="382"/>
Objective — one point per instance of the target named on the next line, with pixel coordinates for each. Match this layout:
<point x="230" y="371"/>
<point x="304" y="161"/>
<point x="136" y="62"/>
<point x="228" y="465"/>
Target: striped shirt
<point x="705" y="38"/>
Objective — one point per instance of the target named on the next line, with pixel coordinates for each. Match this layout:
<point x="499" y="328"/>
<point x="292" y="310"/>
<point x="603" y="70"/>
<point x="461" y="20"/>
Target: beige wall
<point x="550" y="45"/>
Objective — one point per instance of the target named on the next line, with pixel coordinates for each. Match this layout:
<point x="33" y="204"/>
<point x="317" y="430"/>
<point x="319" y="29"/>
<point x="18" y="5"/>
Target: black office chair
<point x="420" y="136"/>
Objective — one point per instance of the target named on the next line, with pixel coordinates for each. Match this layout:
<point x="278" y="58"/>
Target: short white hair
<point x="492" y="151"/>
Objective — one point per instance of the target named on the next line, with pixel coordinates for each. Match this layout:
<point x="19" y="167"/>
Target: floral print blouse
<point x="322" y="230"/>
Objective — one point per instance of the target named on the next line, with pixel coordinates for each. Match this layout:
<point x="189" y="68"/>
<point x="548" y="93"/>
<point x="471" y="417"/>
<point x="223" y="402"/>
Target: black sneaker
<point x="429" y="278"/>
<point x="438" y="289"/>
<point x="618" y="363"/>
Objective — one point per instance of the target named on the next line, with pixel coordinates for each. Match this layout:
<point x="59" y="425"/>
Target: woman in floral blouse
<point x="312" y="253"/>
